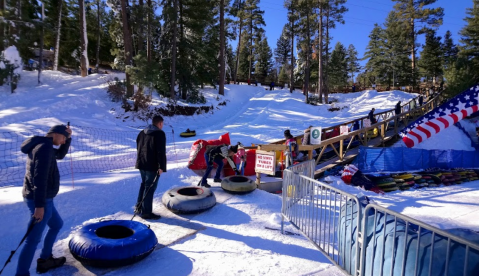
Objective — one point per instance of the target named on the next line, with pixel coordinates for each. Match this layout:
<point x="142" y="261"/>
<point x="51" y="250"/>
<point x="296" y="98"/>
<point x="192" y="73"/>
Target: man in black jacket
<point x="216" y="154"/>
<point x="151" y="161"/>
<point x="371" y="116"/>
<point x="40" y="186"/>
<point x="397" y="109"/>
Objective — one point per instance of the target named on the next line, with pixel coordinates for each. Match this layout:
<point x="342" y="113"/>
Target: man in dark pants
<point x="151" y="161"/>
<point x="216" y="154"/>
<point x="41" y="185"/>
<point x="371" y="116"/>
<point x="397" y="109"/>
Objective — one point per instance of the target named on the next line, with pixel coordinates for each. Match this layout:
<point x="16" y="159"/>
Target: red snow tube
<point x="197" y="153"/>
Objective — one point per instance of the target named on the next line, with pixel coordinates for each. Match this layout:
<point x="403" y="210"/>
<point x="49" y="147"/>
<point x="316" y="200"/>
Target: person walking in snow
<point x="271" y="86"/>
<point x="397" y="109"/>
<point x="40" y="186"/>
<point x="151" y="161"/>
<point x="216" y="154"/>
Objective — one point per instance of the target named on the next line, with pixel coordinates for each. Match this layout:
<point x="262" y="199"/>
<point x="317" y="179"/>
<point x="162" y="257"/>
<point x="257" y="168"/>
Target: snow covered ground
<point x="229" y="239"/>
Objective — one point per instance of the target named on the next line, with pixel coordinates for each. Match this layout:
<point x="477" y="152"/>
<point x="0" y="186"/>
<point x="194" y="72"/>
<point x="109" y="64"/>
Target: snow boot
<point x="217" y="180"/>
<point x="43" y="265"/>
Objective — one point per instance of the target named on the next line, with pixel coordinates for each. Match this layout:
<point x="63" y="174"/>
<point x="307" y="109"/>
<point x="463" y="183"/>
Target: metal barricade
<point x="305" y="168"/>
<point x="328" y="217"/>
<point x="365" y="239"/>
<point x="396" y="244"/>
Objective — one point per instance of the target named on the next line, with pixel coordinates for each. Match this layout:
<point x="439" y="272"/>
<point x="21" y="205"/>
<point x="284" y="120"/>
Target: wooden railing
<point x="345" y="141"/>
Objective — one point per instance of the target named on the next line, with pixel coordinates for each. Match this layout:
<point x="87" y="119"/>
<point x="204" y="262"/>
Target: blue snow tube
<point x="112" y="243"/>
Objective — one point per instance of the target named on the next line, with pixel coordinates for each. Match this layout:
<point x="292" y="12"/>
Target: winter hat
<point x="287" y="133"/>
<point x="60" y="129"/>
<point x="234" y="148"/>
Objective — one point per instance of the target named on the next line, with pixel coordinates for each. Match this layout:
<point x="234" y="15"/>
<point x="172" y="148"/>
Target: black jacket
<point x="219" y="152"/>
<point x="42" y="179"/>
<point x="151" y="149"/>
<point x="397" y="110"/>
<point x="371" y="117"/>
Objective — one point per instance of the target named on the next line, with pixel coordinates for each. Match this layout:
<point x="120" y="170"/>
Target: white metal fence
<point x="368" y="240"/>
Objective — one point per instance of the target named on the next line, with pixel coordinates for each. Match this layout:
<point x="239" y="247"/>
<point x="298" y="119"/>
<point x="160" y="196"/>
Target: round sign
<point x="316" y="134"/>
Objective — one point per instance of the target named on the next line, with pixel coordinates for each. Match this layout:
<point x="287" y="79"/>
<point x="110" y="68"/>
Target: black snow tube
<point x="189" y="199"/>
<point x="112" y="243"/>
<point x="238" y="184"/>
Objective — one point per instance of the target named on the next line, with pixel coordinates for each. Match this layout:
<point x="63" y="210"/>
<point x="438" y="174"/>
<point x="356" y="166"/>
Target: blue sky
<point x="360" y="20"/>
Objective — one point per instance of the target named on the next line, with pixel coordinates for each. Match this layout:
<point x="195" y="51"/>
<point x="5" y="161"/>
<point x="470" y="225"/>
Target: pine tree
<point x="237" y="10"/>
<point x="352" y="61"/>
<point x="283" y="74"/>
<point x="253" y="19"/>
<point x="291" y="5"/>
<point x="283" y="47"/>
<point x="264" y="60"/>
<point x="431" y="62"/>
<point x="375" y="55"/>
<point x="449" y="49"/>
<point x="413" y="14"/>
<point x="470" y="36"/>
<point x="338" y="67"/>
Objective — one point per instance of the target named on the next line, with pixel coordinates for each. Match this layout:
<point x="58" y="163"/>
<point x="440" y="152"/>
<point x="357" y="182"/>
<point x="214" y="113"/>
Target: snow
<point x="13" y="57"/>
<point x="231" y="238"/>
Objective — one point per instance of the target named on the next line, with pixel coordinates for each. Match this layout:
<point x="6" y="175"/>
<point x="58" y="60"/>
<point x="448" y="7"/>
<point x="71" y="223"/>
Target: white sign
<point x="367" y="122"/>
<point x="265" y="162"/>
<point x="343" y="130"/>
<point x="315" y="136"/>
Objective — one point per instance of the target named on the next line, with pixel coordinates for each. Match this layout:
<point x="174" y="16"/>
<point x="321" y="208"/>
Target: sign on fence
<point x="315" y="135"/>
<point x="265" y="162"/>
<point x="367" y="122"/>
<point x="343" y="130"/>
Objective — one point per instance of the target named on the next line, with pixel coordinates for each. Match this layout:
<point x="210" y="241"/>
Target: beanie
<point x="234" y="148"/>
<point x="60" y="129"/>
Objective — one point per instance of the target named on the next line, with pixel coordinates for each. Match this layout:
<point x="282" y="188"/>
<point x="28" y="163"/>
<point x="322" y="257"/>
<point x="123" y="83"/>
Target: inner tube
<point x="190" y="133"/>
<point x="112" y="243"/>
<point x="238" y="184"/>
<point x="189" y="199"/>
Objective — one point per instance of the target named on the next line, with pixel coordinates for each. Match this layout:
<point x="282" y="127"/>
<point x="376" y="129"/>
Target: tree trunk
<point x="2" y="26"/>
<point x="173" y="50"/>
<point x="84" y="41"/>
<point x="239" y="44"/>
<point x="56" y="50"/>
<point x="222" y="48"/>
<point x="291" y="75"/>
<point x="326" y="61"/>
<point x="320" y="53"/>
<point x="250" y="48"/>
<point x="128" y="46"/>
<point x="148" y="31"/>
<point x="182" y="54"/>
<point x="140" y="38"/>
<point x="40" y="58"/>
<point x="306" y="78"/>
<point x="97" y="59"/>
<point x="413" y="55"/>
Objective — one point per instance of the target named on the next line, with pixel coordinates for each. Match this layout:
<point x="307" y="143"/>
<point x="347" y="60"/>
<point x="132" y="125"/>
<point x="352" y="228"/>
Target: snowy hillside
<point x="231" y="238"/>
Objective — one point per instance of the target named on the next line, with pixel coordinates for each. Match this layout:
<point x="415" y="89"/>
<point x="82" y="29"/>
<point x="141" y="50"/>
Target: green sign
<point x="316" y="134"/>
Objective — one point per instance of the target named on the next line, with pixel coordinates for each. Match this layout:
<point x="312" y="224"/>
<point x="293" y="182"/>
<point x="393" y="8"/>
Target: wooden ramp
<point x="325" y="165"/>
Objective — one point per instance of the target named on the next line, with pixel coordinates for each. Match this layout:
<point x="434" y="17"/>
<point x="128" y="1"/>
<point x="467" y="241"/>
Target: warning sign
<point x="265" y="162"/>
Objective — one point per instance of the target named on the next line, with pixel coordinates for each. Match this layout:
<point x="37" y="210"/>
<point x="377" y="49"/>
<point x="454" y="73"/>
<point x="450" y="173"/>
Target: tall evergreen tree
<point x="431" y="62"/>
<point x="375" y="55"/>
<point x="283" y="47"/>
<point x="338" y="67"/>
<point x="417" y="19"/>
<point x="264" y="60"/>
<point x="253" y="19"/>
<point x="291" y="5"/>
<point x="470" y="36"/>
<point x="352" y="61"/>
<point x="449" y="49"/>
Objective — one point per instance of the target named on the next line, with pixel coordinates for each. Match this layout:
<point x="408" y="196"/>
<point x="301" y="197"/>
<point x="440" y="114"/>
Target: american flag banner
<point x="441" y="117"/>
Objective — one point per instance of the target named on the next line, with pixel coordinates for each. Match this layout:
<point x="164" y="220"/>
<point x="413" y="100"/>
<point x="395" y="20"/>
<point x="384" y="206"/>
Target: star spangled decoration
<point x="441" y="117"/>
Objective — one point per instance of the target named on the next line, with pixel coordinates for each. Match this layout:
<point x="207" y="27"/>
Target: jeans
<point x="54" y="222"/>
<point x="147" y="190"/>
<point x="218" y="161"/>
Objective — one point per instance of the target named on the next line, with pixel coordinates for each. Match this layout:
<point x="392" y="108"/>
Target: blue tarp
<point x="399" y="159"/>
